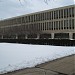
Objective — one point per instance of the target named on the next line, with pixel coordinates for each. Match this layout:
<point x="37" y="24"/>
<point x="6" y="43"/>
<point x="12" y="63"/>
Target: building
<point x="57" y="23"/>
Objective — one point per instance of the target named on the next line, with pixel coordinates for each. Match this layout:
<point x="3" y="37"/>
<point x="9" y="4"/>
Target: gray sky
<point x="11" y="8"/>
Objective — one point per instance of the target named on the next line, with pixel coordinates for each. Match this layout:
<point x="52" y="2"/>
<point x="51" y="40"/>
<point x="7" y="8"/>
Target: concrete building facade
<point x="57" y="23"/>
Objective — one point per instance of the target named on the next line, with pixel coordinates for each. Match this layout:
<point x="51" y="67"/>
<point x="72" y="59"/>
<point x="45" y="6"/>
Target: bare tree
<point x="46" y="1"/>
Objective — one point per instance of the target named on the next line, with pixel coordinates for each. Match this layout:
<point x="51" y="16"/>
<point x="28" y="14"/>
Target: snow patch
<point x="18" y="56"/>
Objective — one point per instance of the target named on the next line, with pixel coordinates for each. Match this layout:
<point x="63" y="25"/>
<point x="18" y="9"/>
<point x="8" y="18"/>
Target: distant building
<point x="58" y="23"/>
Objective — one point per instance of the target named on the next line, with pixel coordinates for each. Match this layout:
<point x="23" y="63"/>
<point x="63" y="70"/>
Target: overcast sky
<point x="11" y="8"/>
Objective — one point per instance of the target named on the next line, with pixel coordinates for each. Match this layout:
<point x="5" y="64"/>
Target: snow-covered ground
<point x="16" y="56"/>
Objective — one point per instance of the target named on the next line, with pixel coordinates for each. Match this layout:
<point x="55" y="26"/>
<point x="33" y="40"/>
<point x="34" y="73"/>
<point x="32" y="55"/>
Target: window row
<point x="36" y="27"/>
<point x="56" y="25"/>
<point x="57" y="14"/>
<point x="50" y="15"/>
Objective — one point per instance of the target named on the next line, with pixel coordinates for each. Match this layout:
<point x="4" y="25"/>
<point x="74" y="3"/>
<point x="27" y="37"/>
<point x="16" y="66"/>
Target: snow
<point x="17" y="56"/>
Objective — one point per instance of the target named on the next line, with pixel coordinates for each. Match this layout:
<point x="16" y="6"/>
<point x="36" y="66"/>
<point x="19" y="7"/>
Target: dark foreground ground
<point x="55" y="42"/>
<point x="61" y="66"/>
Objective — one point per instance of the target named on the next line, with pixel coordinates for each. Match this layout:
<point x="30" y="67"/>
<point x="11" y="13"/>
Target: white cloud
<point x="74" y="1"/>
<point x="9" y="8"/>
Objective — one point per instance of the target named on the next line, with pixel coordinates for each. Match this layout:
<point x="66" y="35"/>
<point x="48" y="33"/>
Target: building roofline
<point x="61" y="7"/>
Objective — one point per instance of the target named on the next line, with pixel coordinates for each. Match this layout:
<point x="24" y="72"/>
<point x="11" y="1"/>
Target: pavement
<point x="60" y="66"/>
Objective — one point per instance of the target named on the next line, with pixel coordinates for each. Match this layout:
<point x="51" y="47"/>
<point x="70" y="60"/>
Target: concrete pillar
<point x="70" y="35"/>
<point x="16" y="36"/>
<point x="52" y="35"/>
<point x="2" y="37"/>
<point x="26" y="36"/>
<point x="38" y="36"/>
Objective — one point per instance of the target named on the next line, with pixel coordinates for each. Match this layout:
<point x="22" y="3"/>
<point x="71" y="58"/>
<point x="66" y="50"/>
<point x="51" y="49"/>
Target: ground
<point x="60" y="66"/>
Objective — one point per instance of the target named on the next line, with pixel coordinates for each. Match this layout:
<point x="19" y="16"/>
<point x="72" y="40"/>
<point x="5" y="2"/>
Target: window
<point x="37" y="18"/>
<point x="47" y="15"/>
<point x="72" y="23"/>
<point x="34" y="17"/>
<point x="65" y="24"/>
<point x="26" y="19"/>
<point x="27" y="27"/>
<point x="43" y="16"/>
<point x="18" y="20"/>
<point x="56" y="14"/>
<point x="31" y="18"/>
<point x="61" y="13"/>
<point x="72" y="11"/>
<point x="50" y="26"/>
<point x="64" y="13"/>
<point x="40" y="16"/>
<point x="52" y="15"/>
<point x="43" y="26"/>
<point x="38" y="26"/>
<point x="35" y="26"/>
<point x="47" y="25"/>
<point x="69" y="12"/>
<point x="23" y="20"/>
<point x="56" y="25"/>
<point x="61" y="24"/>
